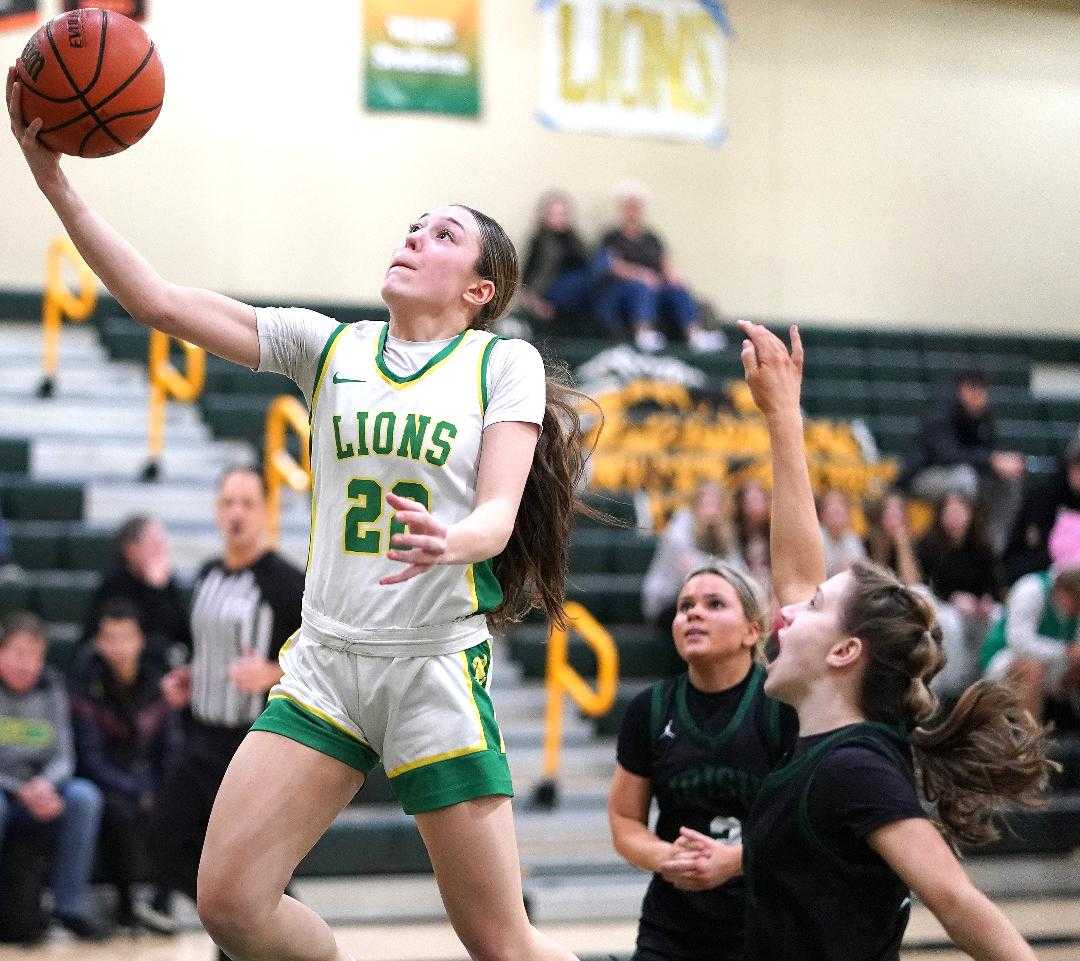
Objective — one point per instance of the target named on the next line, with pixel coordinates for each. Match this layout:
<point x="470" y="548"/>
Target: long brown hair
<point x="986" y="750"/>
<point x="533" y="567"/>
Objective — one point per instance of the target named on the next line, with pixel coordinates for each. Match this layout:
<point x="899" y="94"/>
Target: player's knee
<point x="496" y="945"/>
<point x="224" y="908"/>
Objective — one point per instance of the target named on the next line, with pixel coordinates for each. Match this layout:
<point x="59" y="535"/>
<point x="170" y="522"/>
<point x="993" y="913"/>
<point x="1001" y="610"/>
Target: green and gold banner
<point x="422" y="55"/>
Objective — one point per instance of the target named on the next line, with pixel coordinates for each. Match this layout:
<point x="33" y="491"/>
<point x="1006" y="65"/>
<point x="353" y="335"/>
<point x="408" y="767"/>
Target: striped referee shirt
<point x="236" y="612"/>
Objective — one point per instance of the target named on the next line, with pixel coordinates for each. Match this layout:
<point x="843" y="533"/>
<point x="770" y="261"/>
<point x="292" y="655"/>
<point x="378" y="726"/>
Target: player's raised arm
<point x="775" y="379"/>
<point x="222" y="325"/>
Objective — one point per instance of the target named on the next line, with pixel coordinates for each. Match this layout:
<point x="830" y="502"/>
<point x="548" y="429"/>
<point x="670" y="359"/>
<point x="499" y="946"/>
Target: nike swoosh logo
<point x="338" y="379"/>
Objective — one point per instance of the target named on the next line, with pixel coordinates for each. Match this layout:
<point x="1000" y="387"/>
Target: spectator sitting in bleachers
<point x="37" y="763"/>
<point x="143" y="575"/>
<point x="124" y="734"/>
<point x="751" y="523"/>
<point x="962" y="573"/>
<point x="1049" y="507"/>
<point x="888" y="537"/>
<point x="639" y="285"/>
<point x="956" y="452"/>
<point x="842" y="545"/>
<point x="694" y="535"/>
<point x="555" y="279"/>
<point x="1035" y="644"/>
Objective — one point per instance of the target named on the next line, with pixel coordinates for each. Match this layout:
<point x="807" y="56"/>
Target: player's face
<point x="241" y="510"/>
<point x="434" y="268"/>
<point x="709" y="621"/>
<point x="22" y="659"/>
<point x="797" y="652"/>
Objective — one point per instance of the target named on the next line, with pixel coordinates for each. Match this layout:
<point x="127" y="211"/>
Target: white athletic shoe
<point x="648" y="340"/>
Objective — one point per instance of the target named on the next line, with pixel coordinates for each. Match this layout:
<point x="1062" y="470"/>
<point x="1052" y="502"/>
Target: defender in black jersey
<point x="700" y="744"/>
<point x="838" y="838"/>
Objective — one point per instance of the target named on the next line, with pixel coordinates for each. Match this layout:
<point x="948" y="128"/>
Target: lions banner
<point x="648" y="68"/>
<point x="422" y="55"/>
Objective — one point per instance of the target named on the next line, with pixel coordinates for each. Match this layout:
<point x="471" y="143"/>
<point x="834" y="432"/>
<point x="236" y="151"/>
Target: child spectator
<point x="123" y="734"/>
<point x="842" y="545"/>
<point x="37" y="761"/>
<point x="143" y="575"/>
<point x="694" y="536"/>
<point x="888" y="537"/>
<point x="752" y="531"/>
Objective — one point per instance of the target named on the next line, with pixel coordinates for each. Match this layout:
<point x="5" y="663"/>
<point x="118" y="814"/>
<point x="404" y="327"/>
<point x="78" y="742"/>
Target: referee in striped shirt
<point x="245" y="606"/>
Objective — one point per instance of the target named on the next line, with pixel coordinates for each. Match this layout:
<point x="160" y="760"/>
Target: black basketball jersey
<point x="705" y="775"/>
<point x="812" y="899"/>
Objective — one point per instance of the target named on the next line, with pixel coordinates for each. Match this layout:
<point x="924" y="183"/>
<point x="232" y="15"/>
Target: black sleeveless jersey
<point x="810" y="897"/>
<point x="705" y="774"/>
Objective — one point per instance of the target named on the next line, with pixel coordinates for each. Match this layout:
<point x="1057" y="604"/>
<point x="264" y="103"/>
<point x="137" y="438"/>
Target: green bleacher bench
<point x="595" y="549"/>
<point x="15" y="594"/>
<point x="63" y="595"/>
<point x="24" y="499"/>
<point x="840" y="363"/>
<point x="644" y="651"/>
<point x="610" y="598"/>
<point x="363" y="842"/>
<point x="37" y="545"/>
<point x="892" y="364"/>
<point x="124" y="339"/>
<point x="236" y="415"/>
<point x="831" y="398"/>
<point x="905" y="398"/>
<point x="619" y="507"/>
<point x="607" y="725"/>
<point x="14" y="455"/>
<point x="89" y="549"/>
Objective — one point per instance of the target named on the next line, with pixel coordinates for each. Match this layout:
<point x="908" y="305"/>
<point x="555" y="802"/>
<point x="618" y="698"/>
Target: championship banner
<point x="422" y="55"/>
<point x="635" y="68"/>
<point x="132" y="9"/>
<point x="17" y="13"/>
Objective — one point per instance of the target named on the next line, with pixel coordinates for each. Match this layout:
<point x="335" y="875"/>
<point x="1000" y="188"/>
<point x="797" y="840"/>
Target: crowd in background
<point x="114" y="768"/>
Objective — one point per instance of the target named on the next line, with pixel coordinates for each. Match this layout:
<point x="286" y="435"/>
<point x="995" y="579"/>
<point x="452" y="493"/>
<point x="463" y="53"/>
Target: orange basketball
<point x="95" y="79"/>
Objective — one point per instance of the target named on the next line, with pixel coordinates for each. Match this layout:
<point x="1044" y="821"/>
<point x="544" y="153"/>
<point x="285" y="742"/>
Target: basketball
<point x="95" y="79"/>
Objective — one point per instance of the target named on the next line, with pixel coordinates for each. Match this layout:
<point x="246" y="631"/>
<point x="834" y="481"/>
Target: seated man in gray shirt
<point x="38" y="795"/>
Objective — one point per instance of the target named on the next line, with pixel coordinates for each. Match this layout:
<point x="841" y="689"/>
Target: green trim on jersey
<point x="285" y="716"/>
<point x="320" y="367"/>
<point x="468" y="774"/>
<point x="484" y="360"/>
<point x="486" y="587"/>
<point x="686" y="718"/>
<point x="396" y="379"/>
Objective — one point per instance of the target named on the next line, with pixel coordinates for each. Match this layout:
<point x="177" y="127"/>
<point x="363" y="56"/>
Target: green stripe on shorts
<point x="479" y="773"/>
<point x="291" y="719"/>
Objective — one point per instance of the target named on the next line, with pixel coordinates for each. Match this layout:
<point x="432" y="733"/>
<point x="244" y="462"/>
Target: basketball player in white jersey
<point x="445" y="470"/>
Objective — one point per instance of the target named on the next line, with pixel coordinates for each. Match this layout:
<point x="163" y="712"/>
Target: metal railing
<point x="168" y="382"/>
<point x="59" y="302"/>
<point x="563" y="679"/>
<point x="279" y="466"/>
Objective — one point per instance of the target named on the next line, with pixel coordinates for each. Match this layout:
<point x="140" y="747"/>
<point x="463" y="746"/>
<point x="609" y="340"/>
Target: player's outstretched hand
<point x="44" y="163"/>
<point x="424" y="541"/>
<point x="774" y="375"/>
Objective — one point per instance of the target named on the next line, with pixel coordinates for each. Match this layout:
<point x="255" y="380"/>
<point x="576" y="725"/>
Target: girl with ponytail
<point x="840" y="836"/>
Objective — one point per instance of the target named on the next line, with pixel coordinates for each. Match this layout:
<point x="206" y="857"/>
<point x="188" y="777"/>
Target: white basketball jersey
<point x="376" y="432"/>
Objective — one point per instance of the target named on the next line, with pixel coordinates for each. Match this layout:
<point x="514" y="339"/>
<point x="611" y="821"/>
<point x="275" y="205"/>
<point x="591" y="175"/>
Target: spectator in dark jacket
<point x="143" y="575"/>
<point x="124" y="733"/>
<point x="957" y="453"/>
<point x="555" y="280"/>
<point x="38" y="793"/>
<point x="1044" y="502"/>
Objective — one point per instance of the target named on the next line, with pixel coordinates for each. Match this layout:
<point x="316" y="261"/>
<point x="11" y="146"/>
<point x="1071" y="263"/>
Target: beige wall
<point x="889" y="161"/>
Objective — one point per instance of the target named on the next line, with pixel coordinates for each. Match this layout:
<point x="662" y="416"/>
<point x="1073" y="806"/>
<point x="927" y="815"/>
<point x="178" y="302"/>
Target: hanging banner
<point x="17" y="13"/>
<point x="133" y="9"/>
<point x="422" y="55"/>
<point x="635" y="68"/>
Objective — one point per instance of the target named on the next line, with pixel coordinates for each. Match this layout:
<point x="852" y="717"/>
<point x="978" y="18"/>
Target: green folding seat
<point x="89" y="549"/>
<point x="36" y="545"/>
<point x="836" y="399"/>
<point x="15" y="595"/>
<point x="236" y="416"/>
<point x="64" y="595"/>
<point x="893" y="364"/>
<point x="590" y="550"/>
<point x="610" y="598"/>
<point x="632" y="552"/>
<point x="362" y="842"/>
<point x="124" y="339"/>
<point x="899" y="398"/>
<point x="14" y="455"/>
<point x="841" y="363"/>
<point x="25" y="499"/>
<point x="895" y="434"/>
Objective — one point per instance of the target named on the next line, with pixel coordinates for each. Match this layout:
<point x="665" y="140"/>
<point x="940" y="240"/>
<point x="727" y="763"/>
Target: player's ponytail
<point x="985" y="751"/>
<point x="533" y="567"/>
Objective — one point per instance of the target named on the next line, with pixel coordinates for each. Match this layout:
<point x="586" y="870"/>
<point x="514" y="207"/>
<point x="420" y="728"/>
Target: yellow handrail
<point x="166" y="381"/>
<point x="279" y="465"/>
<point x="59" y="302"/>
<point x="562" y="678"/>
